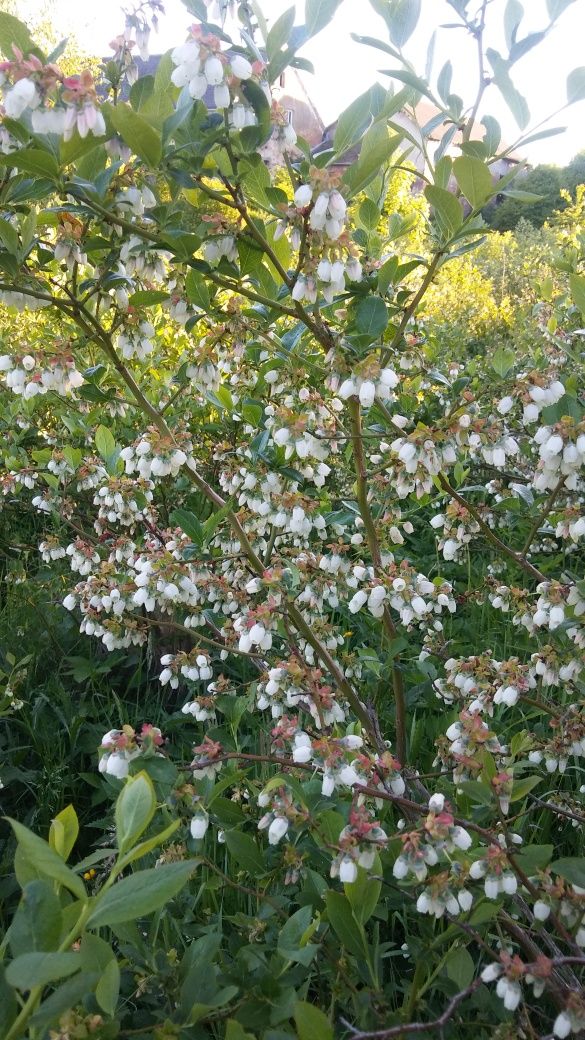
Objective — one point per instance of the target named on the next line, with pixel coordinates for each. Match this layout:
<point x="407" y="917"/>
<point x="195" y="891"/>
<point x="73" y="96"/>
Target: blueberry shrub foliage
<point x="347" y="550"/>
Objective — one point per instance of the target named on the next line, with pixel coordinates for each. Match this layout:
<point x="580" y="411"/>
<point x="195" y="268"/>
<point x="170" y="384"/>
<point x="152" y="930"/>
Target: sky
<point x="345" y="68"/>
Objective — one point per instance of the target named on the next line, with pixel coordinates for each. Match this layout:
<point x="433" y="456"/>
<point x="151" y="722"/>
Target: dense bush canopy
<point x="293" y="599"/>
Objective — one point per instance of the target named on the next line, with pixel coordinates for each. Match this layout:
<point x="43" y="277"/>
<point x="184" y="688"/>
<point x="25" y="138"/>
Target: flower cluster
<point x="28" y="375"/>
<point x="119" y="747"/>
<point x="422" y="848"/>
<point x="327" y="208"/>
<point x="201" y="67"/>
<point x="59" y="104"/>
<point x="358" y="844"/>
<point x="483" y="682"/>
<point x="193" y="666"/>
<point x="283" y="811"/>
<point x="154" y="456"/>
<point x="369" y="385"/>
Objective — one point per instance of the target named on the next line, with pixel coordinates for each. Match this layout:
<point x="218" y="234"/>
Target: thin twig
<point x="415" y="1027"/>
<point x="518" y="558"/>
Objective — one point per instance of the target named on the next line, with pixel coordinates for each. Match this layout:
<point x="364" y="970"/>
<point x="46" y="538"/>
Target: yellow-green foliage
<point x="403" y="198"/>
<point x="490" y="294"/>
<point x="467" y="301"/>
<point x="568" y="224"/>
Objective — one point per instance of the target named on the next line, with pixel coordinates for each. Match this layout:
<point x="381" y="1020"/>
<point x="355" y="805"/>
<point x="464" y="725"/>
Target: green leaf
<point x="197" y="291"/>
<point x="476" y="791"/>
<point x="76" y="148"/>
<point x="534" y="857"/>
<point x="33" y="160"/>
<point x="9" y="237"/>
<point x="311" y="1023"/>
<point x="443" y="171"/>
<point x="364" y="893"/>
<point x="140" y="91"/>
<point x="38" y="920"/>
<point x="577" y="284"/>
<point x="234" y="1031"/>
<point x="556" y="7"/>
<point x="576" y="85"/>
<point x="447" y="209"/>
<point x="521" y="196"/>
<point x="147" y="297"/>
<point x="572" y="869"/>
<point x="371" y="317"/>
<point x="104" y="442"/>
<point x="474" y="180"/>
<point x="66" y="996"/>
<point x="484" y="911"/>
<point x="460" y="967"/>
<point x="417" y="83"/>
<point x="41" y="857"/>
<point x="14" y="33"/>
<point x="245" y="852"/>
<point x="74" y="457"/>
<point x="567" y="405"/>
<point x="139" y="135"/>
<point x="513" y="15"/>
<point x="369" y="214"/>
<point x="401" y="17"/>
<point x="95" y="952"/>
<point x="148" y="845"/>
<point x="135" y="807"/>
<point x="348" y="930"/>
<point x="318" y="14"/>
<point x="64" y="831"/>
<point x="520" y="788"/>
<point x="188" y="523"/>
<point x="444" y="81"/>
<point x="8" y="1005"/>
<point x="377" y="147"/>
<point x="503" y="361"/>
<point x="162" y="76"/>
<point x="255" y="179"/>
<point x="293" y="938"/>
<point x="355" y="120"/>
<point x="212" y="523"/>
<point x="140" y="894"/>
<point x="108" y="988"/>
<point x="37" y="969"/>
<point x="554" y="131"/>
<point x="28" y="228"/>
<point x="256" y="97"/>
<point x="493" y="134"/>
<point x="250" y="256"/>
<point x="331" y="824"/>
<point x="513" y="98"/>
<point x="279" y="34"/>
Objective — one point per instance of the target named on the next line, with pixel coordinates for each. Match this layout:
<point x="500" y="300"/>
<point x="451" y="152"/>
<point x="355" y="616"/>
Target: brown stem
<point x="410" y="310"/>
<point x="556" y="809"/>
<point x="315" y="325"/>
<point x="517" y="557"/>
<point x="553" y="918"/>
<point x="256" y="893"/>
<point x="342" y="683"/>
<point x="543" y="515"/>
<point x="149" y="236"/>
<point x="536" y="703"/>
<point x="415" y="1027"/>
